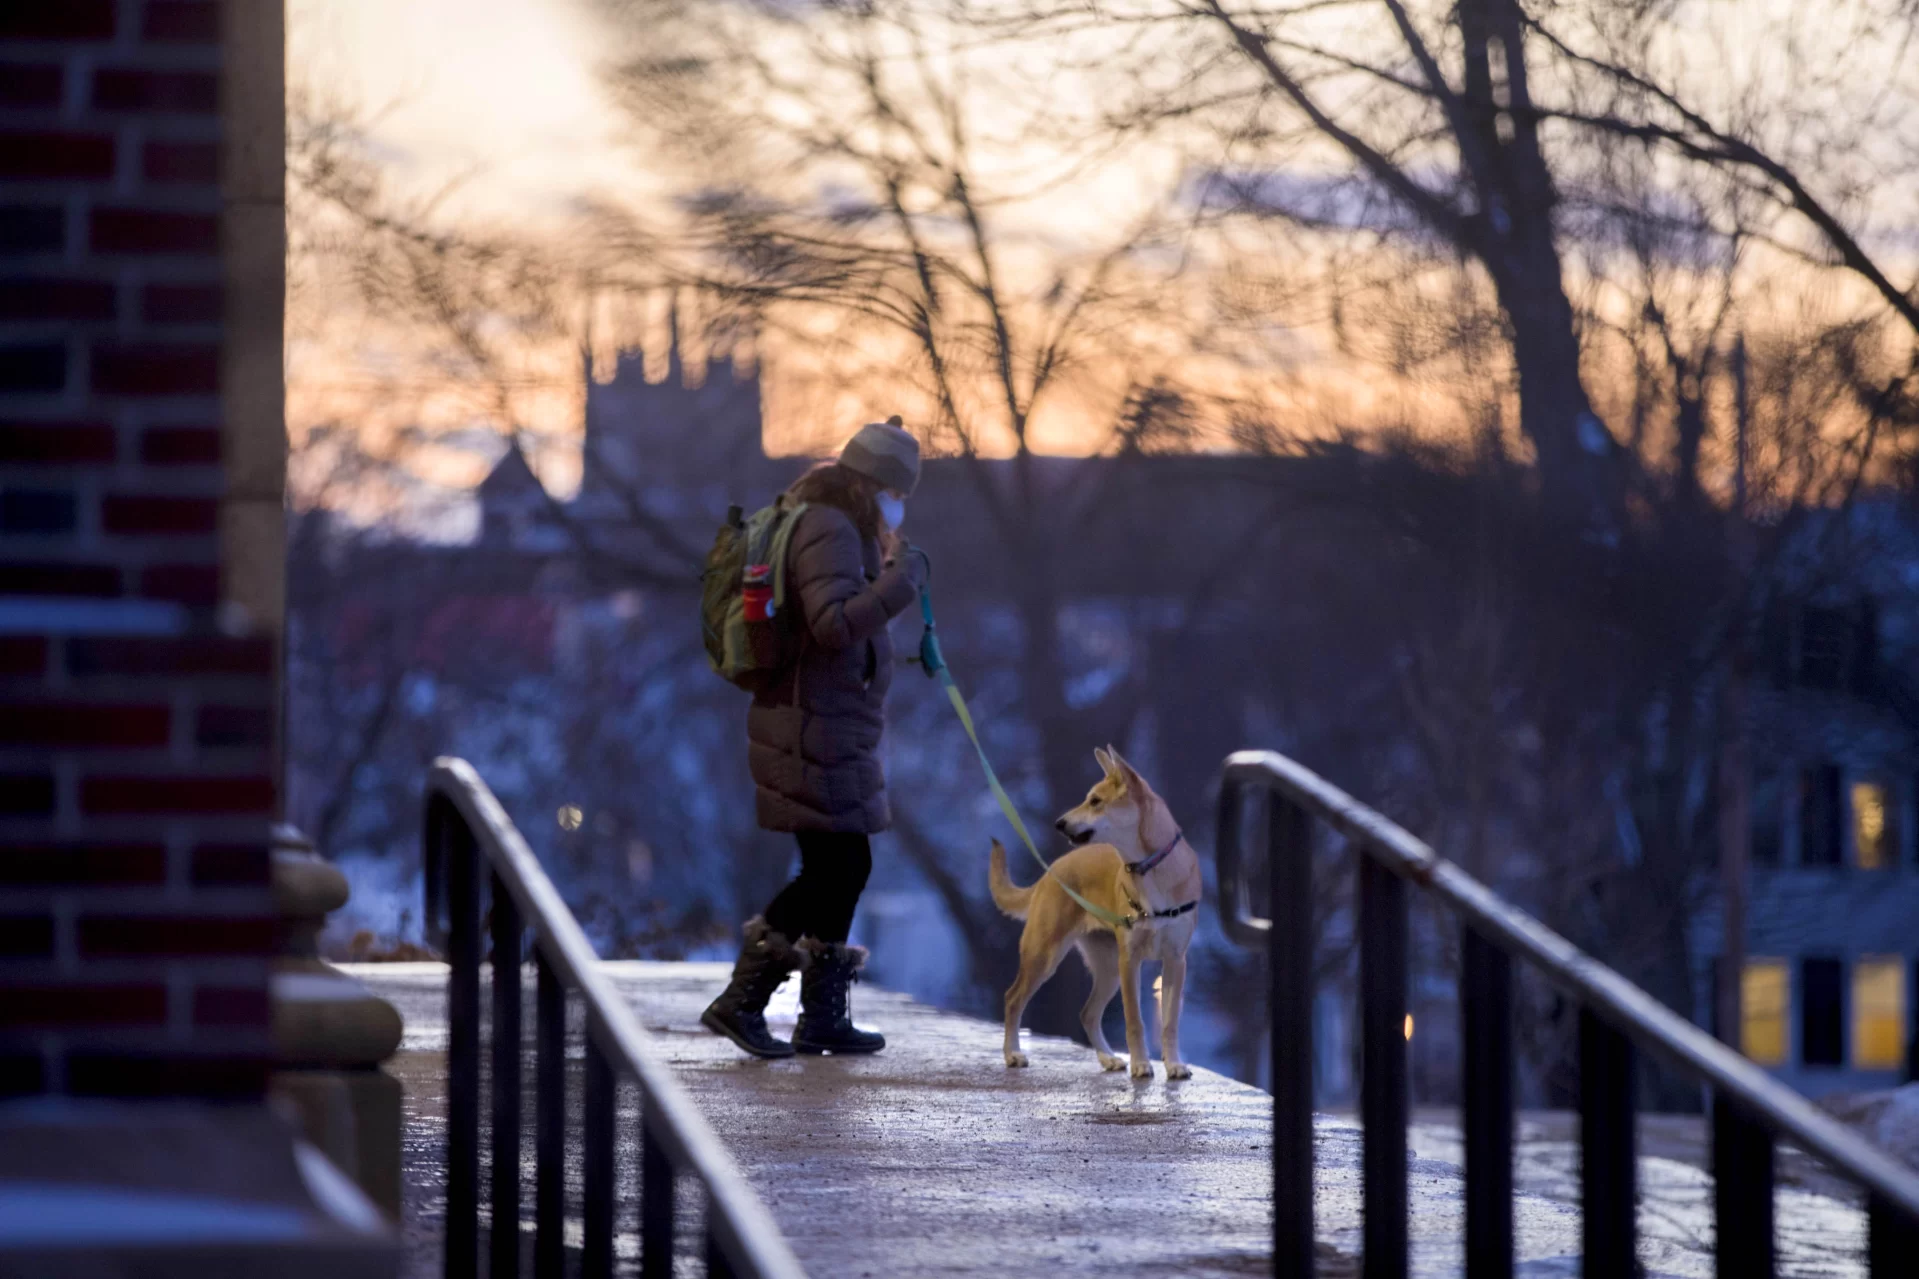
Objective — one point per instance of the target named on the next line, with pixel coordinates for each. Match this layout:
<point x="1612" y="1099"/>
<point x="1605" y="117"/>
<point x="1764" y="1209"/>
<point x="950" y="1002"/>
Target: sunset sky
<point x="501" y="104"/>
<point x="502" y="95"/>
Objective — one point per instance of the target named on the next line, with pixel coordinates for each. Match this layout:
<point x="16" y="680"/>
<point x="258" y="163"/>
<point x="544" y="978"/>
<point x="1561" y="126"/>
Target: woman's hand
<point x="913" y="564"/>
<point x="921" y="567"/>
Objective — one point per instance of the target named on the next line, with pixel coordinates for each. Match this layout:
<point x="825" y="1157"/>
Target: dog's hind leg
<point x="1039" y="956"/>
<point x="1172" y="995"/>
<point x="1101" y="954"/>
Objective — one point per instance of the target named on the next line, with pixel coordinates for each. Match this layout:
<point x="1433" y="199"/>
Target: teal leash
<point x="934" y="663"/>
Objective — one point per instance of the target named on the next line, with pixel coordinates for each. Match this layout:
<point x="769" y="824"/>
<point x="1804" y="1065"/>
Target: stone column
<point x="330" y="1033"/>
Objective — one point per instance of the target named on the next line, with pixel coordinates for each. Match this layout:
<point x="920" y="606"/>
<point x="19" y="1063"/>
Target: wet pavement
<point x="932" y="1158"/>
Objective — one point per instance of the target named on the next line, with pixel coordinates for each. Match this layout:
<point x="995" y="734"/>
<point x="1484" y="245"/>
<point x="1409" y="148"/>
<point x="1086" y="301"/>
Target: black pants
<point x="819" y="903"/>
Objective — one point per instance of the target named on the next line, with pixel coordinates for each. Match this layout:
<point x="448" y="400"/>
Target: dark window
<point x="1826" y="648"/>
<point x="1865" y="649"/>
<point x="1820" y="813"/>
<point x="1822" y="1015"/>
<point x="1912" y="1041"/>
<point x="1776" y="642"/>
<point x="1767" y="839"/>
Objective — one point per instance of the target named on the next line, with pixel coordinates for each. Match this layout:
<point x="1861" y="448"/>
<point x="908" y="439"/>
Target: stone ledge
<point x="193" y="1190"/>
<point x="322" y="1017"/>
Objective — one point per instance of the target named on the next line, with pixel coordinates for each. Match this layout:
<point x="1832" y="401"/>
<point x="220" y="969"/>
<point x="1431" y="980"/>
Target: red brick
<point x="37" y="578"/>
<point x="232" y="864"/>
<point x="197" y="655"/>
<point x="196" y="585"/>
<point x="103" y="936"/>
<point x="38" y="511"/>
<point x="227" y="1076"/>
<point x="181" y="304"/>
<point x="234" y="726"/>
<point x="52" y="154"/>
<point x="23" y="655"/>
<point x="22" y="1075"/>
<point x="84" y="864"/>
<point x="66" y="725"/>
<point x="50" y="298"/>
<point x="30" y="84"/>
<point x="232" y="1006"/>
<point x="153" y="231"/>
<point x="56" y="443"/>
<point x="181" y="21"/>
<point x="181" y="446"/>
<point x="33" y="368"/>
<point x="43" y="1007"/>
<point x="127" y="796"/>
<point x="130" y="89"/>
<point x="57" y="20"/>
<point x="26" y="936"/>
<point x="145" y="513"/>
<point x="180" y="369"/>
<point x="28" y="230"/>
<point x="165" y="162"/>
<point x="223" y="1078"/>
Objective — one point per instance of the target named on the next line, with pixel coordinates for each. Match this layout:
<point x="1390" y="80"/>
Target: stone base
<point x="109" y="1190"/>
<point x="353" y="1118"/>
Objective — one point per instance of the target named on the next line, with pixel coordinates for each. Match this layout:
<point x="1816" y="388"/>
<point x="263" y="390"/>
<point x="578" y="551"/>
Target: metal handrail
<point x="465" y="823"/>
<point x="1751" y="1109"/>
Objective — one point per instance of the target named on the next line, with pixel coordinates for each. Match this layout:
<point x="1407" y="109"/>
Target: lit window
<point x="1765" y="995"/>
<point x="1874" y="837"/>
<point x="1879" y="1013"/>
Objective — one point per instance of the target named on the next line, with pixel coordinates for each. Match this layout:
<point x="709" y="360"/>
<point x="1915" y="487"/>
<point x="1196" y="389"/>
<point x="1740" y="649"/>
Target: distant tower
<point x="669" y="440"/>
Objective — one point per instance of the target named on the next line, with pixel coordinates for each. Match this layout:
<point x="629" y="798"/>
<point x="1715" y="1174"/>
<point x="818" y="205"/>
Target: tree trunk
<point x="1513" y="235"/>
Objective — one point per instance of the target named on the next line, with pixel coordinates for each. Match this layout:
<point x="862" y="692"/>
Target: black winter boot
<point x="826" y="1013"/>
<point x="739" y="1013"/>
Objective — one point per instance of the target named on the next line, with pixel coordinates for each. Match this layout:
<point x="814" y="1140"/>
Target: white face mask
<point x="892" y="510"/>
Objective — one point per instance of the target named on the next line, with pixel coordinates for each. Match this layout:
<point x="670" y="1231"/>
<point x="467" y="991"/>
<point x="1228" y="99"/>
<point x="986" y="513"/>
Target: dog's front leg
<point x="1129" y="962"/>
<point x="1172" y="994"/>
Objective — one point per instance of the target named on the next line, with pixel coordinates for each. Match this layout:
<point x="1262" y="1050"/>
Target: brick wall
<point x="136" y="774"/>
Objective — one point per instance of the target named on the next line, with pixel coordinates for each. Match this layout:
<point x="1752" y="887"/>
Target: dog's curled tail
<point x="1007" y="895"/>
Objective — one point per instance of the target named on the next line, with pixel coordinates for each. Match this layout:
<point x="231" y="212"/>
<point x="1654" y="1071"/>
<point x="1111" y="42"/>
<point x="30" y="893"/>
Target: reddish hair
<point x="830" y="484"/>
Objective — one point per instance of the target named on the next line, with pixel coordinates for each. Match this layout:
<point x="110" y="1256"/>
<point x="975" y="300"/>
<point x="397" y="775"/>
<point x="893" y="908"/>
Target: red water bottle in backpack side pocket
<point x="756" y="592"/>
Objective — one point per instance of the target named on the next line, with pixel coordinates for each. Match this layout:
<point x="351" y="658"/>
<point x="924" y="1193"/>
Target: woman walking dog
<point x="813" y="737"/>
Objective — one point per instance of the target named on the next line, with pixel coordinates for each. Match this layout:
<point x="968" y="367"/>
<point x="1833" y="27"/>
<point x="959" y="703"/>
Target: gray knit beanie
<point x="886" y="452"/>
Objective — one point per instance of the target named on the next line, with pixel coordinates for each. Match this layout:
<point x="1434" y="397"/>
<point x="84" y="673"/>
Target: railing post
<point x="1892" y="1240"/>
<point x="718" y="1265"/>
<point x="1742" y="1193"/>
<point x="1290" y="958"/>
<point x="462" y="1254"/>
<point x="1607" y="1145"/>
<point x="1382" y="979"/>
<point x="656" y="1200"/>
<point x="596" y="1157"/>
<point x="508" y="935"/>
<point x="1485" y="999"/>
<point x="549" y="1119"/>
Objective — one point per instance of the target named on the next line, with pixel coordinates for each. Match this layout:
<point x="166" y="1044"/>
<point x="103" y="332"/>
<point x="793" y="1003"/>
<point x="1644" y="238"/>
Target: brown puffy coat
<point x="813" y="735"/>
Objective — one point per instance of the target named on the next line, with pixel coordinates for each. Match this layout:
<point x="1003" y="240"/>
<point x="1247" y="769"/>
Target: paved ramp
<point x="933" y="1159"/>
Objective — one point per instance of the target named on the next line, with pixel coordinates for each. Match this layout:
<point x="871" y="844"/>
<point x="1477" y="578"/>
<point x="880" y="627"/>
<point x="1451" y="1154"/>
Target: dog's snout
<point x="1060" y="825"/>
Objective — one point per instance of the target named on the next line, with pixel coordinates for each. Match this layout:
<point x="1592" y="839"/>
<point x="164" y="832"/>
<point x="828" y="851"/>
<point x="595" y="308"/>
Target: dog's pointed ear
<point x="1104" y="760"/>
<point x="1135" y="784"/>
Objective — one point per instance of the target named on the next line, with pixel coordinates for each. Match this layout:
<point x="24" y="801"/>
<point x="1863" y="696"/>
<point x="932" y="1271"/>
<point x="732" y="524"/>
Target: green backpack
<point x="743" y="595"/>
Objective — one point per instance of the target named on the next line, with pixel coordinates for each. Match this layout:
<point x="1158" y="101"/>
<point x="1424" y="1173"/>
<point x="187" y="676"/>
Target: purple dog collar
<point x="1141" y="868"/>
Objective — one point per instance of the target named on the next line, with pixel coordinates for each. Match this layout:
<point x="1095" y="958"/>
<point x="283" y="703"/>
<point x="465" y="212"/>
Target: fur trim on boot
<point x="766" y="957"/>
<point x="826" y="1012"/>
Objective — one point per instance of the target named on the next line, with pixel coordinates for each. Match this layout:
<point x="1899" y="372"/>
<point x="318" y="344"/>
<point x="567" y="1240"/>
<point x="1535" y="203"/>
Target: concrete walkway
<point x="933" y="1159"/>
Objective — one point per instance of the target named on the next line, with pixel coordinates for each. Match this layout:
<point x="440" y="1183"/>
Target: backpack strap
<point x="779" y="543"/>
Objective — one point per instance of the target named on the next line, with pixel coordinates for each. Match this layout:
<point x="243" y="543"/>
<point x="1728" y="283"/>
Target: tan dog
<point x="1133" y="862"/>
